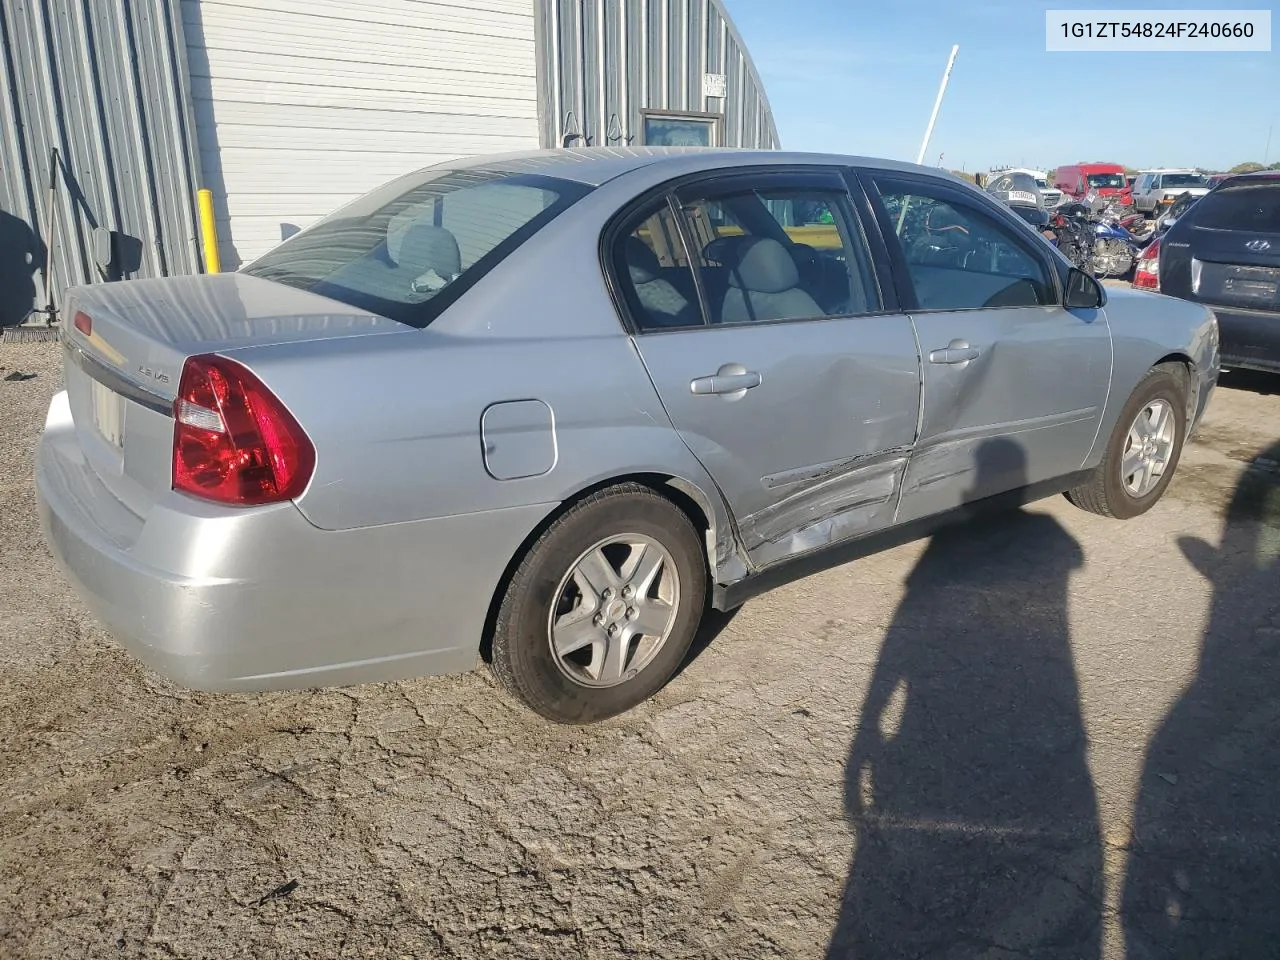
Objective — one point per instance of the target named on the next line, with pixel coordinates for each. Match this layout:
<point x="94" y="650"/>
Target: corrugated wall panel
<point x="104" y="82"/>
<point x="603" y="62"/>
<point x="302" y="105"/>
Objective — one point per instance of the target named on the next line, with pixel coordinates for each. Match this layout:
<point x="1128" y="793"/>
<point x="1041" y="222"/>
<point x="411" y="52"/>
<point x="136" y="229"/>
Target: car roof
<point x="594" y="166"/>
<point x="1256" y="175"/>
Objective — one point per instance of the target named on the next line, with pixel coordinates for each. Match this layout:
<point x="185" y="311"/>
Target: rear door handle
<point x="731" y="379"/>
<point x="957" y="351"/>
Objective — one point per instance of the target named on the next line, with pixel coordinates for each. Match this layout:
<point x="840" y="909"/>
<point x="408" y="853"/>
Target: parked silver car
<point x="559" y="402"/>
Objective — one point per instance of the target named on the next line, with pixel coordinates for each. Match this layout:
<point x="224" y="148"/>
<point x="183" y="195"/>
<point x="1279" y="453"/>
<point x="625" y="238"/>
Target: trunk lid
<point x="122" y="373"/>
<point x="1230" y="268"/>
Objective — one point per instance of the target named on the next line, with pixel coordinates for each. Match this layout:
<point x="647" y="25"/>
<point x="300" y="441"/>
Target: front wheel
<point x="603" y="607"/>
<point x="1143" y="450"/>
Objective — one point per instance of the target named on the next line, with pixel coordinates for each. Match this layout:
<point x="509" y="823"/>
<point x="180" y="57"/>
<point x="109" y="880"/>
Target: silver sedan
<point x="552" y="406"/>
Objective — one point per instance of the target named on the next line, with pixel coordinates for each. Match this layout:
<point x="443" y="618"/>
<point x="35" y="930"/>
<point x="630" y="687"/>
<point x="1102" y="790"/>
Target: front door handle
<point x="732" y="380"/>
<point x="957" y="351"/>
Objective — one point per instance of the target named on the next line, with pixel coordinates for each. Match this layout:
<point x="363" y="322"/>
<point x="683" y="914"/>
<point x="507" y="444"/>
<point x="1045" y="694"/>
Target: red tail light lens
<point x="233" y="441"/>
<point x="84" y="323"/>
<point x="1147" y="273"/>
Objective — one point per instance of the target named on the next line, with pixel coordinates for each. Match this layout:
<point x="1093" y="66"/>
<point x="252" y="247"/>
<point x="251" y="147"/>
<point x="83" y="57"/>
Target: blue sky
<point x="860" y="77"/>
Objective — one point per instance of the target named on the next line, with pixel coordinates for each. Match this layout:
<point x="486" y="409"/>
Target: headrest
<point x="642" y="262"/>
<point x="424" y="246"/>
<point x="762" y="265"/>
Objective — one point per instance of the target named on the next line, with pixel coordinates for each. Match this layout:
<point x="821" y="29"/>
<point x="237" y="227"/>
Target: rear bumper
<point x="220" y="598"/>
<point x="1250" y="338"/>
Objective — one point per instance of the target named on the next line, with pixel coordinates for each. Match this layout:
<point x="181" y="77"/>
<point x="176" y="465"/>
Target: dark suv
<point x="1225" y="252"/>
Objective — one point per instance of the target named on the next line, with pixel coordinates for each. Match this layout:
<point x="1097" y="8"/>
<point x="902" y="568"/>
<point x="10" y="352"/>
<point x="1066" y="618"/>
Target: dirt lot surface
<point x="1050" y="735"/>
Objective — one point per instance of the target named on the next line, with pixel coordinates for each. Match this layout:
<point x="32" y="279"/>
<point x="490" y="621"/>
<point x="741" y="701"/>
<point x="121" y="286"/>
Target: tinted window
<point x="778" y="253"/>
<point x="410" y="248"/>
<point x="653" y="272"/>
<point x="961" y="258"/>
<point x="1241" y="206"/>
<point x="1182" y="180"/>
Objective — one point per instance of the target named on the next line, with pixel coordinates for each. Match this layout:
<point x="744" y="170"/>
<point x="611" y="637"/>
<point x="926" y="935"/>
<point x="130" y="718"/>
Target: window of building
<point x="681" y="130"/>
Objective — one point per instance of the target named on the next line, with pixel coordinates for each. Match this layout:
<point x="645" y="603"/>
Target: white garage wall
<point x="303" y="104"/>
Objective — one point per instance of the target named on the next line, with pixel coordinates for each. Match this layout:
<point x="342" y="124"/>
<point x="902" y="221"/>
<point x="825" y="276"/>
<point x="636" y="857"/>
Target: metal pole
<point x="51" y="224"/>
<point x="1266" y="154"/>
<point x="208" y="232"/>
<point x="937" y="104"/>
<point x="933" y="118"/>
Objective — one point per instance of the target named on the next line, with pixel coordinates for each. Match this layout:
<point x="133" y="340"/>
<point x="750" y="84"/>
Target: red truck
<point x="1108" y="179"/>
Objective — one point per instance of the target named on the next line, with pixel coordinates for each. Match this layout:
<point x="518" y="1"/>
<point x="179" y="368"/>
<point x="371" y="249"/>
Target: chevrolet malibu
<point x="550" y="407"/>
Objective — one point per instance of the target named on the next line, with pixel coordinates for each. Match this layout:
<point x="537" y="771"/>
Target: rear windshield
<point x="410" y="248"/>
<point x="1241" y="206"/>
<point x="1106" y="180"/>
<point x="1183" y="180"/>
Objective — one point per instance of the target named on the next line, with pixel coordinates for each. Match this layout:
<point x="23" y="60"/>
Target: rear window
<point x="410" y="248"/>
<point x="1241" y="206"/>
<point x="1183" y="180"/>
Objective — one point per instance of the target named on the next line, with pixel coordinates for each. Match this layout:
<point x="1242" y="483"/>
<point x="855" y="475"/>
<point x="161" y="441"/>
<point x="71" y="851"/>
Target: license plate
<point x="108" y="413"/>
<point x="1253" y="289"/>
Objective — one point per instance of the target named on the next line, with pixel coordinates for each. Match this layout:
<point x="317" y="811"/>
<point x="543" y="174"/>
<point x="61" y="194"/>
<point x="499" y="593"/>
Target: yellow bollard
<point x="208" y="232"/>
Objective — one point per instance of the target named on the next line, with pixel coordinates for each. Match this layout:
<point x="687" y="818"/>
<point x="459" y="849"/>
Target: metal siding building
<point x="285" y="109"/>
<point x="105" y="82"/>
<point x="608" y="65"/>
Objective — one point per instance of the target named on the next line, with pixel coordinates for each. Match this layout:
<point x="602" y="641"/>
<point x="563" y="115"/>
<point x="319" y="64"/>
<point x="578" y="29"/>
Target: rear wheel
<point x="1143" y="450"/>
<point x="603" y="607"/>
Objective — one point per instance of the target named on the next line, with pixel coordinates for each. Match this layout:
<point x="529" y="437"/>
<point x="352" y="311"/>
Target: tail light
<point x="233" y="440"/>
<point x="84" y="323"/>
<point x="1146" y="274"/>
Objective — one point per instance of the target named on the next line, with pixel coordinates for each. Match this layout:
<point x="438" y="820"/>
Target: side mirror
<point x="1083" y="292"/>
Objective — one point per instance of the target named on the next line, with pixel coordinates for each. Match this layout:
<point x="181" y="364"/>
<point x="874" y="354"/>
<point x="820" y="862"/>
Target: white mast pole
<point x="933" y="118"/>
<point x="937" y="104"/>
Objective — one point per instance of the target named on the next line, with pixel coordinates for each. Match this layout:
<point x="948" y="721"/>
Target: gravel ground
<point x="1051" y="735"/>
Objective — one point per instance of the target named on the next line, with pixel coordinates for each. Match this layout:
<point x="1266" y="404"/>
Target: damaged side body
<point x="846" y="499"/>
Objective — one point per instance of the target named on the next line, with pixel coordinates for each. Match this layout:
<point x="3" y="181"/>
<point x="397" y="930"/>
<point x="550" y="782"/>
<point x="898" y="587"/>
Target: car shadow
<point x="1203" y="874"/>
<point x="967" y="785"/>
<point x="1253" y="381"/>
<point x="713" y="624"/>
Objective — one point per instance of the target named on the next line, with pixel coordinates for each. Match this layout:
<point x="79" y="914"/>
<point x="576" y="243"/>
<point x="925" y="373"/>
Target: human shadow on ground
<point x="967" y="784"/>
<point x="1203" y="874"/>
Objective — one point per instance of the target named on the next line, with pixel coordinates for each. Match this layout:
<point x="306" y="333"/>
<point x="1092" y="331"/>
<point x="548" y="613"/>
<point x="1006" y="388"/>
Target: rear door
<point x="785" y="367"/>
<point x="1014" y="384"/>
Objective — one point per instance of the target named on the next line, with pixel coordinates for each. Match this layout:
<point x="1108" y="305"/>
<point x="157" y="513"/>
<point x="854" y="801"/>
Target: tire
<point x="1107" y="491"/>
<point x="607" y="526"/>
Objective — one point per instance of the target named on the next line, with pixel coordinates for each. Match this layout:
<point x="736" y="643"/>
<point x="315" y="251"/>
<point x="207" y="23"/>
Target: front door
<point x="760" y="320"/>
<point x="1014" y="383"/>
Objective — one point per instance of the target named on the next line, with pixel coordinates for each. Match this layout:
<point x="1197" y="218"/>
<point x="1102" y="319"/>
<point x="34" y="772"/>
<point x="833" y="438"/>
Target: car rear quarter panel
<point x="1147" y="328"/>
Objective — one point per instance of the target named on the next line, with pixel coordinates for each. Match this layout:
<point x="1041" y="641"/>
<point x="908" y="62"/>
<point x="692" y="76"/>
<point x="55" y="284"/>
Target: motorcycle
<point x="1088" y="233"/>
<point x="1072" y="232"/>
<point x="1115" y="248"/>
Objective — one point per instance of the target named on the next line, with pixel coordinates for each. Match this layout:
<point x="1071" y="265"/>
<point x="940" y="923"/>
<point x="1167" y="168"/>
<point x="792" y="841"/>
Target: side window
<point x="653" y="271"/>
<point x="778" y="252"/>
<point x="961" y="258"/>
